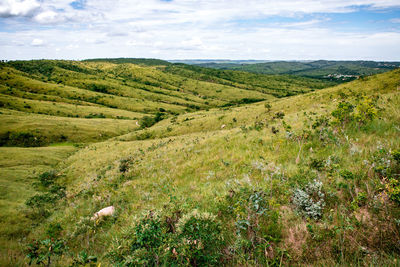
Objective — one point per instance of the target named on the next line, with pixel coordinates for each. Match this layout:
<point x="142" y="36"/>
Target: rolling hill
<point x="120" y="94"/>
<point x="238" y="169"/>
<point x="336" y="71"/>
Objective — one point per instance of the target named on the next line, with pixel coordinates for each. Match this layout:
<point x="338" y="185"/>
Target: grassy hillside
<point x="281" y="182"/>
<point x="310" y="179"/>
<point x="336" y="71"/>
<point x="116" y="96"/>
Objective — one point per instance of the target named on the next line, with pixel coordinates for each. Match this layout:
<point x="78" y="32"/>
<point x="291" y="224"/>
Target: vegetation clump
<point x="310" y="200"/>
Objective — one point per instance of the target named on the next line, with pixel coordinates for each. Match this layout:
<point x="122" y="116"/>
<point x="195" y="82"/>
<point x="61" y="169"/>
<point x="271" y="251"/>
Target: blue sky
<point x="187" y="29"/>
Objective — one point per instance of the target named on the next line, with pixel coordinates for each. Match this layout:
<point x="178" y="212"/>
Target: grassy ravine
<point x="225" y="161"/>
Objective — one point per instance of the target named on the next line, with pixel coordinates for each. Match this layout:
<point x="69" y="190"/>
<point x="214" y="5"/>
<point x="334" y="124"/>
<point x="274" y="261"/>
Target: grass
<point x="18" y="167"/>
<point x="192" y="162"/>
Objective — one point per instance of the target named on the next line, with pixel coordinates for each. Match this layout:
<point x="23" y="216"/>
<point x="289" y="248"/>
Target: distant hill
<point x="338" y="71"/>
<point x="217" y="61"/>
<point x="66" y="94"/>
<point x="138" y="61"/>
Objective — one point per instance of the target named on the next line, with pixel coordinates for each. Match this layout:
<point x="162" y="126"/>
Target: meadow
<point x="203" y="166"/>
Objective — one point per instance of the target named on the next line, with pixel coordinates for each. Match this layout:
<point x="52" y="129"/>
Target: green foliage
<point x="124" y="164"/>
<point x="83" y="259"/>
<point x="42" y="203"/>
<point x="396" y="155"/>
<point x="199" y="239"/>
<point x="393" y="189"/>
<point x="47" y="178"/>
<point x="365" y="111"/>
<point x="194" y="239"/>
<point x="43" y="251"/>
<point x="256" y="222"/>
<point x="147" y="121"/>
<point x="149" y="233"/>
<point x="343" y="113"/>
<point x="347" y="175"/>
<point x="20" y="139"/>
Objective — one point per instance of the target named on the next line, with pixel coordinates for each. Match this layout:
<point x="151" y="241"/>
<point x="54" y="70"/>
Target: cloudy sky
<point x="204" y="29"/>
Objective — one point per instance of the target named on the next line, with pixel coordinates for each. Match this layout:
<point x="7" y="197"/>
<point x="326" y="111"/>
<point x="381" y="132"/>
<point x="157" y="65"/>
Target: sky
<point x="205" y="29"/>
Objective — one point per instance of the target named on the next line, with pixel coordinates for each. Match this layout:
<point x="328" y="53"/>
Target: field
<point x="271" y="170"/>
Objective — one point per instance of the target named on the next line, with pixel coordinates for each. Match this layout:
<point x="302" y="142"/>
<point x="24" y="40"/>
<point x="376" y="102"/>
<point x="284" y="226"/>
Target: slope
<point x="283" y="182"/>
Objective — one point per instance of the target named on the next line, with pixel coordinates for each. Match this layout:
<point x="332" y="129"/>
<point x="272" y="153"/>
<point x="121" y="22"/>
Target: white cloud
<point x="11" y="8"/>
<point x="396" y="20"/>
<point x="193" y="29"/>
<point x="49" y="17"/>
<point x="37" y="42"/>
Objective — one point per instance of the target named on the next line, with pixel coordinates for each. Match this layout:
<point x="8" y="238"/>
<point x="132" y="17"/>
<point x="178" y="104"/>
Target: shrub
<point x="149" y="232"/>
<point x="396" y="155"/>
<point x="365" y="111"/>
<point x="200" y="238"/>
<point x="47" y="178"/>
<point x="255" y="221"/>
<point x="279" y="115"/>
<point x="347" y="175"/>
<point x="124" y="164"/>
<point x="317" y="164"/>
<point x="393" y="189"/>
<point x="148" y="121"/>
<point x="83" y="259"/>
<point x="360" y="199"/>
<point x="42" y="252"/>
<point x="343" y="113"/>
<point x="309" y="201"/>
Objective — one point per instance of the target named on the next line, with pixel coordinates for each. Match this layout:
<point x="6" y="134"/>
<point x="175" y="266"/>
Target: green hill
<point x="116" y="89"/>
<point x="336" y="71"/>
<point x="307" y="179"/>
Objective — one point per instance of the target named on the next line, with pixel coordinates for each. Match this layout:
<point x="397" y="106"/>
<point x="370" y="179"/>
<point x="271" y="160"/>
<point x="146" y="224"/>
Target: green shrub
<point x="343" y="113"/>
<point x="148" y="121"/>
<point x="43" y="251"/>
<point x="200" y="239"/>
<point x="256" y="222"/>
<point x="83" y="259"/>
<point x="365" y="110"/>
<point x="396" y="155"/>
<point x="347" y="175"/>
<point x="124" y="164"/>
<point x="393" y="189"/>
<point x="47" y="178"/>
<point x="317" y="164"/>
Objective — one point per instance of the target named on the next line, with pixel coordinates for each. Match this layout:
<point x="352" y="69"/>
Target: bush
<point x="309" y="201"/>
<point x="347" y="175"/>
<point x="365" y="111"/>
<point x="124" y="164"/>
<point x="148" y="121"/>
<point x="42" y="252"/>
<point x="47" y="178"/>
<point x="83" y="259"/>
<point x="343" y="113"/>
<point x="393" y="189"/>
<point x="200" y="239"/>
<point x="256" y="222"/>
<point x="23" y="139"/>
